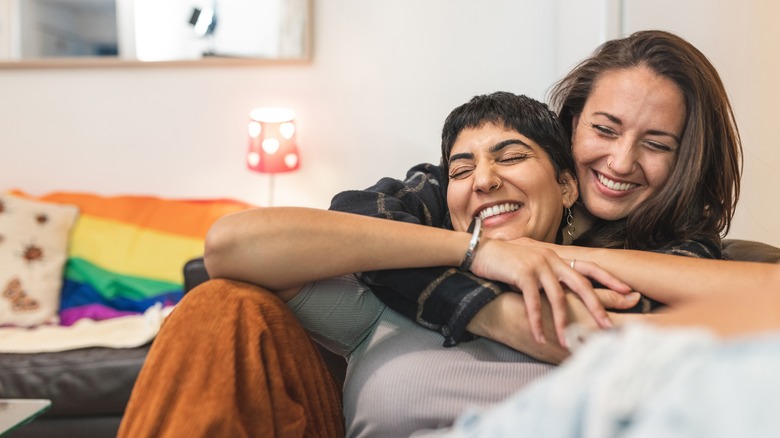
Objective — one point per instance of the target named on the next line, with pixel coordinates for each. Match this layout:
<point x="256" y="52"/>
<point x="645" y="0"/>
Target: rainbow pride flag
<point x="127" y="253"/>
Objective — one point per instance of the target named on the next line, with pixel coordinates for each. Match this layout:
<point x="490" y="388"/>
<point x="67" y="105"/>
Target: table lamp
<point x="272" y="148"/>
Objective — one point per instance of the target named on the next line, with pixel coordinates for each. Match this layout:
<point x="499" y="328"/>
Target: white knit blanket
<point x="123" y="332"/>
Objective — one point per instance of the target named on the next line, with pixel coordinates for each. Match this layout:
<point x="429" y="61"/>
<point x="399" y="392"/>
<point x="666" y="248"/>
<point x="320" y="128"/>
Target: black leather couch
<point x="89" y="388"/>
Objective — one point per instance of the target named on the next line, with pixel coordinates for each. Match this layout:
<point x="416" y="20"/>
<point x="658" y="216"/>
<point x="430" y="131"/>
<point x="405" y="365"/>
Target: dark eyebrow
<point x="611" y="118"/>
<point x="616" y="120"/>
<point x="493" y="149"/>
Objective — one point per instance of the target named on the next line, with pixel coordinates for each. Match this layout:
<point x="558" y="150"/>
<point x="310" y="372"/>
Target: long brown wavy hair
<point x="700" y="196"/>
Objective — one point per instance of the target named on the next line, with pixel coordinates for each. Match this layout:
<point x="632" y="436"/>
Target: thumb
<point x="616" y="300"/>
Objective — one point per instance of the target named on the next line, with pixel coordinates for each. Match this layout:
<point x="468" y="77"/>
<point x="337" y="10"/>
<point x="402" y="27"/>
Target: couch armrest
<point x="750" y="251"/>
<point x="194" y="273"/>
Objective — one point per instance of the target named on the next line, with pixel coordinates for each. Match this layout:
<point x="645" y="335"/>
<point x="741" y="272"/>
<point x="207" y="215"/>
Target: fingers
<point x="532" y="269"/>
<point x="557" y="299"/>
<point x="533" y="308"/>
<point x="550" y="275"/>
<point x="595" y="272"/>
<point x="544" y="276"/>
<point x="615" y="300"/>
<point x="582" y="287"/>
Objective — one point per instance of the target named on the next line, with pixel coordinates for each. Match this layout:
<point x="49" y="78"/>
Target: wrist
<point x="471" y="251"/>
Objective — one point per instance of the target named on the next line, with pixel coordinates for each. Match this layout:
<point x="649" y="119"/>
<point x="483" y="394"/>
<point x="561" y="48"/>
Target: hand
<point x="612" y="300"/>
<point x="503" y="320"/>
<point x="530" y="267"/>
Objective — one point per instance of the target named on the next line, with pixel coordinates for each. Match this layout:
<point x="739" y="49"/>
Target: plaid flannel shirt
<point x="443" y="298"/>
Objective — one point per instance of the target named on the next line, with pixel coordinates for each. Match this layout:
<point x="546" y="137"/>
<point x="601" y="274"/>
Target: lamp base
<point x="271" y="190"/>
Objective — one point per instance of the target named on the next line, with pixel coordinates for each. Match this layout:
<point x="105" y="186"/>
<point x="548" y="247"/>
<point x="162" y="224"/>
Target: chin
<point x="603" y="209"/>
<point x="503" y="235"/>
<point x="609" y="214"/>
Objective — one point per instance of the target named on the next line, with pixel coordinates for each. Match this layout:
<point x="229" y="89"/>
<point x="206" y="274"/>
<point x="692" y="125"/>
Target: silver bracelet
<point x="468" y="258"/>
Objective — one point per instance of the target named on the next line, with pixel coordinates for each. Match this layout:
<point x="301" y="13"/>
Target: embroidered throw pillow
<point x="34" y="240"/>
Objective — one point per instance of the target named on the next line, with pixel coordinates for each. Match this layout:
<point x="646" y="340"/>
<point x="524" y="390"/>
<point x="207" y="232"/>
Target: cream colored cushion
<point x="33" y="249"/>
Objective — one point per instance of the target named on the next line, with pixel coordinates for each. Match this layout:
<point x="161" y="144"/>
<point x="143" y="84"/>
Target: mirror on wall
<point x="155" y="31"/>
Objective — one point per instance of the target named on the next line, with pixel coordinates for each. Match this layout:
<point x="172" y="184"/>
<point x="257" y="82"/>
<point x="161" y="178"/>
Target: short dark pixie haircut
<point x="512" y="111"/>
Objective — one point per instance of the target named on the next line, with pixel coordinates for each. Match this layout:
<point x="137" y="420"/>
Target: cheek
<point x="553" y="207"/>
<point x="457" y="201"/>
<point x="583" y="148"/>
<point x="548" y="208"/>
<point x="658" y="170"/>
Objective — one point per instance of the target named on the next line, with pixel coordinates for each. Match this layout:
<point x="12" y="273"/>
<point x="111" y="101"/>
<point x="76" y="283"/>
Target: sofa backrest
<point x="750" y="251"/>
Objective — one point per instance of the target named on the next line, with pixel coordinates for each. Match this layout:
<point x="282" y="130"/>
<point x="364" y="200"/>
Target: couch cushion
<point x="750" y="251"/>
<point x="33" y="247"/>
<point x="89" y="381"/>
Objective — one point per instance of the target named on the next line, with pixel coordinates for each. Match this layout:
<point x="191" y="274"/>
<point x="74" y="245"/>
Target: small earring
<point x="570" y="223"/>
<point x="609" y="165"/>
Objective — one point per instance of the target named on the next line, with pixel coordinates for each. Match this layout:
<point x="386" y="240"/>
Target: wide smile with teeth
<point x="614" y="185"/>
<point x="498" y="209"/>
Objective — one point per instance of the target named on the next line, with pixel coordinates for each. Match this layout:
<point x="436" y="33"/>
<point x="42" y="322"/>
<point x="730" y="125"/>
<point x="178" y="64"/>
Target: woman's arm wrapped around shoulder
<point x="284" y="248"/>
<point x="678" y="273"/>
<point x="446" y="299"/>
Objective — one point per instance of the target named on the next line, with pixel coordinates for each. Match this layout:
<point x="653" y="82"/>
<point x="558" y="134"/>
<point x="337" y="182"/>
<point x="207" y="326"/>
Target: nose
<point x="486" y="179"/>
<point x="623" y="157"/>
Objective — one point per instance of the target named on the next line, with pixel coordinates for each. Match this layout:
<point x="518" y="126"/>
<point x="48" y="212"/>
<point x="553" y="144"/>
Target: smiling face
<point x="626" y="139"/>
<point x="509" y="181"/>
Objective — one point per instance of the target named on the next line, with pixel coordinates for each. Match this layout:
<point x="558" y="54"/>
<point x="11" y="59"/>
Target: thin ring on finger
<point x="573" y="261"/>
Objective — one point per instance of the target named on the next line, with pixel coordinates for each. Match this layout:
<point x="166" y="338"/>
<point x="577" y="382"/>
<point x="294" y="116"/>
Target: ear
<point x="569" y="188"/>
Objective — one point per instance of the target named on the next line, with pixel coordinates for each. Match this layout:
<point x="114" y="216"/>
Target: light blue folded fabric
<point x="643" y="381"/>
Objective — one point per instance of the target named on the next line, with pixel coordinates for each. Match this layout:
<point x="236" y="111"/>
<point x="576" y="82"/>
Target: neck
<point x="583" y="220"/>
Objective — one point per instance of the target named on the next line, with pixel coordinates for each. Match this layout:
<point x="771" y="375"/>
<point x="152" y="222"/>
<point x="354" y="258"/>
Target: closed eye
<point x="513" y="158"/>
<point x="461" y="172"/>
<point x="659" y="146"/>
<point x="603" y="130"/>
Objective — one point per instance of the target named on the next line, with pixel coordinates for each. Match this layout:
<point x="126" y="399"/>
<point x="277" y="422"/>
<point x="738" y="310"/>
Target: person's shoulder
<point x="432" y="172"/>
<point x="703" y="248"/>
<point x="418" y="176"/>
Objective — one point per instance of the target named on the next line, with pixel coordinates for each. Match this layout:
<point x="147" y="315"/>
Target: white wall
<point x="8" y="32"/>
<point x="385" y="75"/>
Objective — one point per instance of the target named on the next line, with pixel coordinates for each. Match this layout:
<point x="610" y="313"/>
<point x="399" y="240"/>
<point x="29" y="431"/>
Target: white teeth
<point x="613" y="185"/>
<point x="498" y="209"/>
